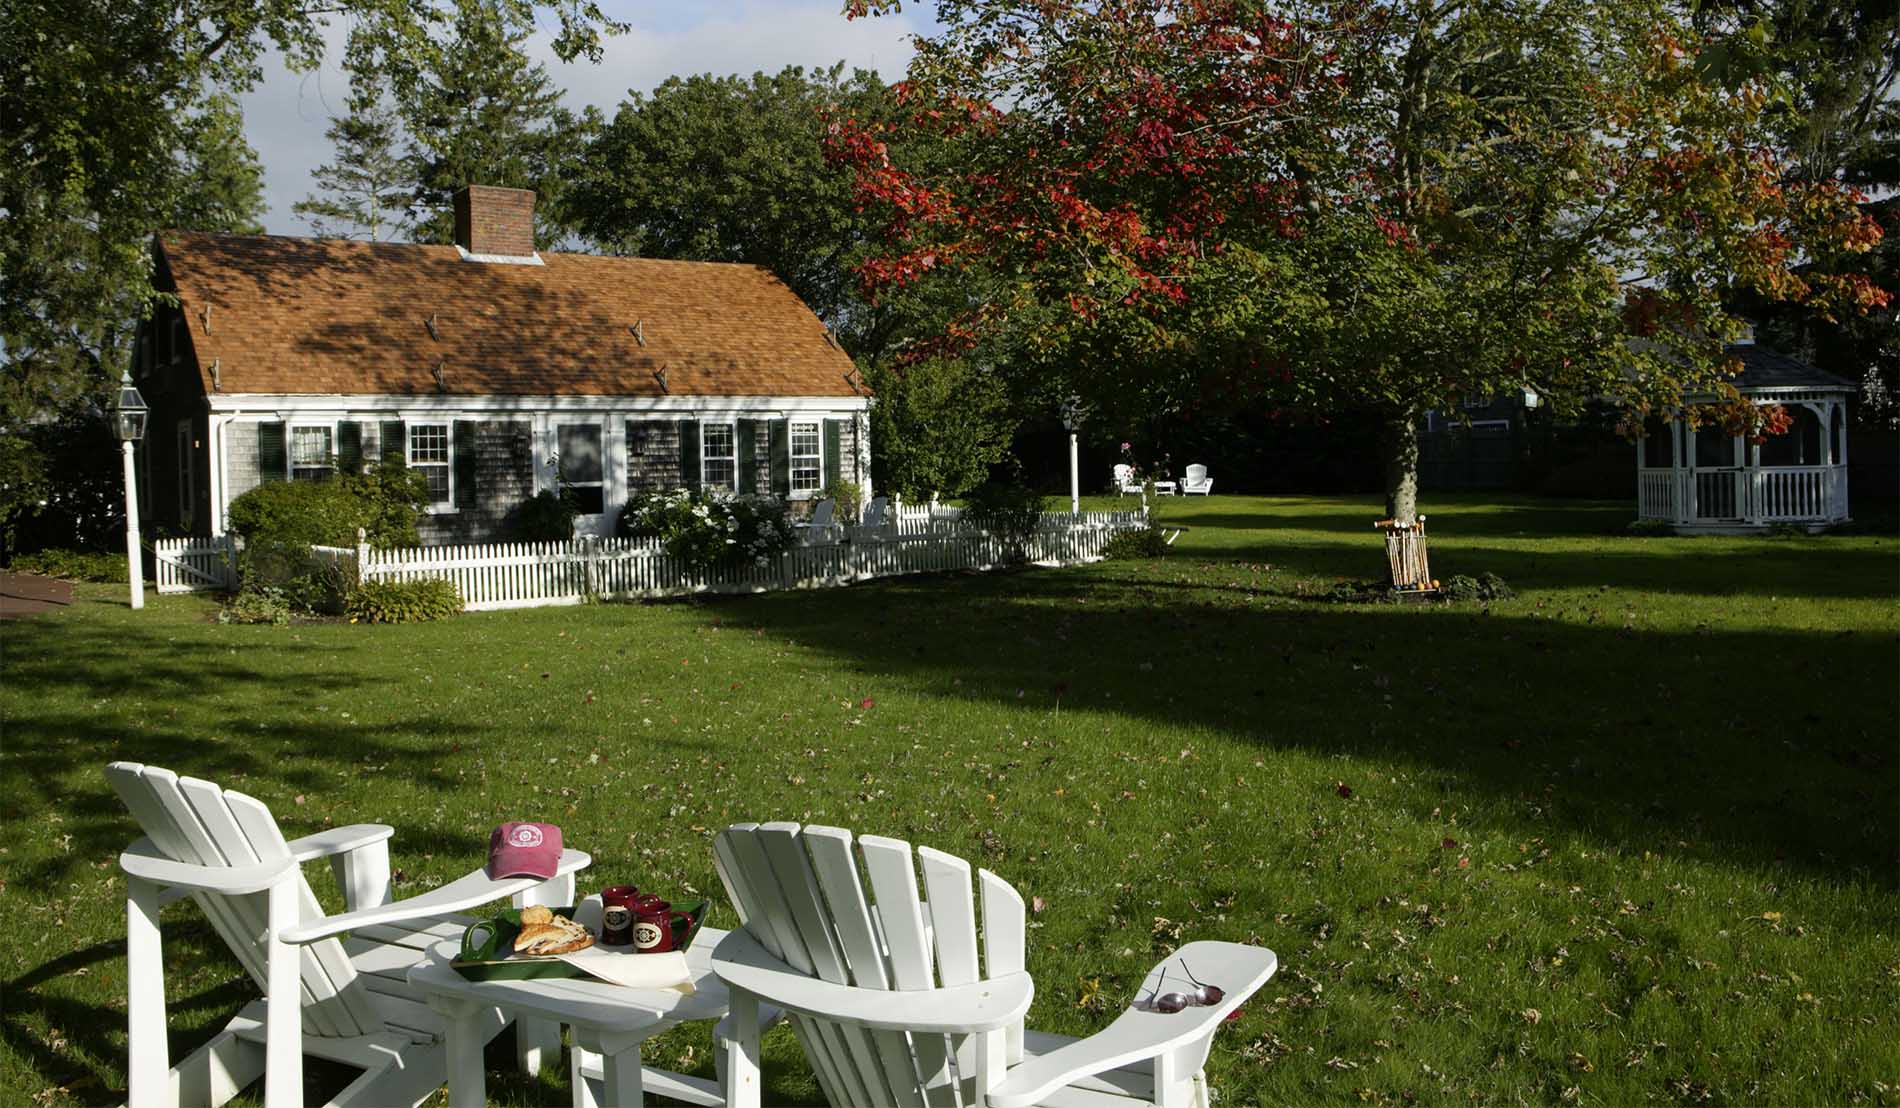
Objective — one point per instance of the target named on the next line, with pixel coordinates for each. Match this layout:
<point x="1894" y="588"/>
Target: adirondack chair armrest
<point x="1137" y="1034"/>
<point x="743" y="964"/>
<point x="339" y="840"/>
<point x="468" y="891"/>
<point x="144" y="861"/>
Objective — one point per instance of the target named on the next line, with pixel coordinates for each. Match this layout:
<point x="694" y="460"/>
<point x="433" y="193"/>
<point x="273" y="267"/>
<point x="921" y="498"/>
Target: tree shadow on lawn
<point x="1742" y="744"/>
<point x="48" y="737"/>
<point x="1474" y="515"/>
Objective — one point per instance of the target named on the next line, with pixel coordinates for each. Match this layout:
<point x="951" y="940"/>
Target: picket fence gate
<point x="490" y="576"/>
<point x="195" y="564"/>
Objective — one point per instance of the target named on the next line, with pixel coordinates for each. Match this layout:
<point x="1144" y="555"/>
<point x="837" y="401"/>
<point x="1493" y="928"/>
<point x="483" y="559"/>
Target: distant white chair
<point x="822" y="523"/>
<point x="876" y="513"/>
<point x="344" y="1001"/>
<point x="1125" y="481"/>
<point x="880" y="976"/>
<point x="1197" y="481"/>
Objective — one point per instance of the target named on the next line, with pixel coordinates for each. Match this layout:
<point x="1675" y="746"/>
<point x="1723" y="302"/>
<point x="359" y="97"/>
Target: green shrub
<point x="1486" y="586"/>
<point x="281" y="520"/>
<point x="403" y="601"/>
<point x="74" y="565"/>
<point x="547" y="516"/>
<point x="850" y="500"/>
<point x="704" y="531"/>
<point x="260" y="605"/>
<point x="1009" y="509"/>
<point x="1144" y="542"/>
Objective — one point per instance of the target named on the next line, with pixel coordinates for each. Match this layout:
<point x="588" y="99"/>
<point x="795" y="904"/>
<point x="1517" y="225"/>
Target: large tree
<point x="733" y="169"/>
<point x="367" y="190"/>
<point x="1379" y="206"/>
<point x="479" y="111"/>
<point x="102" y="102"/>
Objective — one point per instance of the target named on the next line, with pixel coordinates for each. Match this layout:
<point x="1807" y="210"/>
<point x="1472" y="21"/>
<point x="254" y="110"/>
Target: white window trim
<point x="290" y="445"/>
<point x="409" y="458"/>
<point x="601" y="424"/>
<point x="731" y="425"/>
<point x="792" y="459"/>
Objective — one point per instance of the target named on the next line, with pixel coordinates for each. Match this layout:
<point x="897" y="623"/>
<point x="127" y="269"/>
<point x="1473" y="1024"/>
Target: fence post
<point x="362" y="553"/>
<point x="587" y="565"/>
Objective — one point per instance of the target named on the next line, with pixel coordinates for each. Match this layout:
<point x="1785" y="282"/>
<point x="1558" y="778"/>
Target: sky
<point x="286" y="114"/>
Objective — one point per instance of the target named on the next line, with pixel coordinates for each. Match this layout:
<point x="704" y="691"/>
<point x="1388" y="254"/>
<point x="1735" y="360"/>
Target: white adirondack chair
<point x="875" y="513"/>
<point x="1196" y="480"/>
<point x="822" y="523"/>
<point x="897" y="1002"/>
<point x="1125" y="480"/>
<point x="346" y="1000"/>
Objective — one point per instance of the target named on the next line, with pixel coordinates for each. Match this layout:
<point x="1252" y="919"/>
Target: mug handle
<point x="479" y="949"/>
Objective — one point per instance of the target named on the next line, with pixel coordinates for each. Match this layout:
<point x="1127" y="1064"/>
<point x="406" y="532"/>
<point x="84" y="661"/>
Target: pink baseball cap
<point x="524" y="850"/>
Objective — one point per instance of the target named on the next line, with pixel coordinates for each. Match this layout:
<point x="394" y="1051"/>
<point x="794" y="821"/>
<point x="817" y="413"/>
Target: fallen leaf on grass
<point x="1532" y="1016"/>
<point x="1037" y="904"/>
<point x="1344" y="790"/>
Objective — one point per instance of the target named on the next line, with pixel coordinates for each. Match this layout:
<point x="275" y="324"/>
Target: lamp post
<point x="1073" y="412"/>
<point x="131" y="427"/>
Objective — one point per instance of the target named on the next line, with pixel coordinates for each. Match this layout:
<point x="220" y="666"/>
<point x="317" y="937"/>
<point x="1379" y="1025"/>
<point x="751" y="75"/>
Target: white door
<point x="581" y="448"/>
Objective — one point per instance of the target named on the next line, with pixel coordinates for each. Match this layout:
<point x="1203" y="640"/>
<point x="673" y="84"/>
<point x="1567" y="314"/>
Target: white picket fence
<point x="195" y="564"/>
<point x="528" y="575"/>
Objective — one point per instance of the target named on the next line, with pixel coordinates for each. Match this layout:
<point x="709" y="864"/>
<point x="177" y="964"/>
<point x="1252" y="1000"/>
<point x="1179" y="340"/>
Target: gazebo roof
<point x="1763" y="368"/>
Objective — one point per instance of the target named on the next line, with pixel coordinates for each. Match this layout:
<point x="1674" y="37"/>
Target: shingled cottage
<point x="495" y="370"/>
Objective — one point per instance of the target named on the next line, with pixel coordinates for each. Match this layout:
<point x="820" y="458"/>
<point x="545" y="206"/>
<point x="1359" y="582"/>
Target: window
<point x="312" y="451"/>
<point x="807" y="457"/>
<point x="581" y="470"/>
<point x="1477" y="400"/>
<point x="429" y="456"/>
<point x="718" y="456"/>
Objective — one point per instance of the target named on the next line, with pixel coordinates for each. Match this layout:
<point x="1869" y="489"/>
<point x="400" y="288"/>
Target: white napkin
<point x="666" y="970"/>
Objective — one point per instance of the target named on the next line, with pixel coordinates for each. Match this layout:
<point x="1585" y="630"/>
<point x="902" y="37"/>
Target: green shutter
<point x="462" y="451"/>
<point x="746" y="433"/>
<point x="349" y="447"/>
<point x="689" y="454"/>
<point x="394" y="441"/>
<point x="273" y="459"/>
<point x="834" y="469"/>
<point x="781" y="451"/>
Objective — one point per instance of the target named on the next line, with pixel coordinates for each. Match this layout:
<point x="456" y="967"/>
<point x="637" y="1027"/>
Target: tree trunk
<point x="1401" y="465"/>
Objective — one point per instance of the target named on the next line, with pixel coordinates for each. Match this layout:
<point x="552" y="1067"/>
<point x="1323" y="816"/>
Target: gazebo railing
<point x="1790" y="493"/>
<point x="1771" y="494"/>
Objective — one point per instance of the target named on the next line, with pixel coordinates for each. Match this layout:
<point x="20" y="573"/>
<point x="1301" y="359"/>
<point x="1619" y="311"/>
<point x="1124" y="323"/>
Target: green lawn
<point x="1632" y="837"/>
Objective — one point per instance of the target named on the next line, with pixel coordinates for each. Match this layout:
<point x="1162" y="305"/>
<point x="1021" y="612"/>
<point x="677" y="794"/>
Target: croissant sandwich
<point x="543" y="932"/>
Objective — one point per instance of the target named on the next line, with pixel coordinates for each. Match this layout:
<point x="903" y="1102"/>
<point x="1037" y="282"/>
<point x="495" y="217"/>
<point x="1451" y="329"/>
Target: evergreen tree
<point x="370" y="184"/>
<point x="482" y="113"/>
<point x="222" y="186"/>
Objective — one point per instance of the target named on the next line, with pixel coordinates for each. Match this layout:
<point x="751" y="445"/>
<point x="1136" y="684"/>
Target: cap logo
<point x="525" y="835"/>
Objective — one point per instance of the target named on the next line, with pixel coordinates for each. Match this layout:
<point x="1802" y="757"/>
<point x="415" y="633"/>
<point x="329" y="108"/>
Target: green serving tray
<point x="488" y="947"/>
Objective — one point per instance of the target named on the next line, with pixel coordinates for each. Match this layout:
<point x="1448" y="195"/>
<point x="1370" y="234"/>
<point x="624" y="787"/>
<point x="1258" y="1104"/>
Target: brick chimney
<point x="495" y="221"/>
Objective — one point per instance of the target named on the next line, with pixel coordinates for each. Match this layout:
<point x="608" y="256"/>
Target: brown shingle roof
<point x="293" y="315"/>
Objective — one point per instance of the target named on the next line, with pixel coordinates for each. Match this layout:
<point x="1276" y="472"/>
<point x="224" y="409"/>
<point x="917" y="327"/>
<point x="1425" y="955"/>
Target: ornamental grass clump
<point x="708" y="530"/>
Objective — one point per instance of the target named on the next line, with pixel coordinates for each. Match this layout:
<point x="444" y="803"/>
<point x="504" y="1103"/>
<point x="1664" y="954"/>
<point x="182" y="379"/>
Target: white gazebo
<point x="1705" y="480"/>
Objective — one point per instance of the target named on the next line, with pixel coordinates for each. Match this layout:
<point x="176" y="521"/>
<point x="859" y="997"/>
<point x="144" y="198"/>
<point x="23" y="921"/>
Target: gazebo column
<point x="1682" y="465"/>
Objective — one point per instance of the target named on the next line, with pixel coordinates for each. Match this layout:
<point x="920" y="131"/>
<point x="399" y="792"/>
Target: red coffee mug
<point x="618" y="904"/>
<point x="653" y="925"/>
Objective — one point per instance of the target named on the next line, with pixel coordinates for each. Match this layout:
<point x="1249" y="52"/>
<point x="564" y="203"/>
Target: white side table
<point x="1166" y="488"/>
<point x="609" y="1022"/>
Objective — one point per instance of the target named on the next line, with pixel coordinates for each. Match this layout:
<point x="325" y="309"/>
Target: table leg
<point x="621" y="1083"/>
<point x="462" y="1032"/>
<point x="578" y="1058"/>
<point x="537" y="1038"/>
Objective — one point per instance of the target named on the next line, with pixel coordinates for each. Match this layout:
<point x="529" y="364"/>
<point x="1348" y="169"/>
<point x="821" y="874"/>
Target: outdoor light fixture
<point x="129" y="420"/>
<point x="1073" y="413"/>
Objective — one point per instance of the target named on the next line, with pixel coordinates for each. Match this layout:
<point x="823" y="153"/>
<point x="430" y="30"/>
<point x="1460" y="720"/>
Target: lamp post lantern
<point x="1073" y="412"/>
<point x="130" y="423"/>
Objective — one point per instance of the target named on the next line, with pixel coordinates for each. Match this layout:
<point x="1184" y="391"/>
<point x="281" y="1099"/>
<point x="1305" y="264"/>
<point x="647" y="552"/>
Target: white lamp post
<point x="1073" y="412"/>
<point x="131" y="428"/>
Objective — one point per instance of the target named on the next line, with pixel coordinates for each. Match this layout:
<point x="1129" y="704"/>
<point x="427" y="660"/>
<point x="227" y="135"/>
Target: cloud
<point x="286" y="114"/>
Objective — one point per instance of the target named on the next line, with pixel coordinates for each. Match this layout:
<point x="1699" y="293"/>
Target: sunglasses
<point x="1171" y="1003"/>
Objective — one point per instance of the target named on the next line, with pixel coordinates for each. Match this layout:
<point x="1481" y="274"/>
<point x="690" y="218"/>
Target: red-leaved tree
<point x="1374" y="206"/>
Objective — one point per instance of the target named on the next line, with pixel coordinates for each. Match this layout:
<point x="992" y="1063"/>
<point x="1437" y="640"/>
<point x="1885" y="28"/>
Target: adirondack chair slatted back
<point x="801" y="893"/>
<point x="822" y="512"/>
<point x="875" y="511"/>
<point x="199" y="823"/>
<point x="1196" y="474"/>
